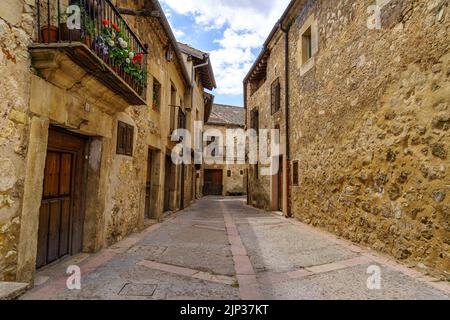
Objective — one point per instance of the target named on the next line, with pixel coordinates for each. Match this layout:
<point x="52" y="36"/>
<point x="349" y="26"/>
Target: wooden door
<point x="61" y="215"/>
<point x="167" y="180"/>
<point x="148" y="186"/>
<point x="213" y="183"/>
<point x="280" y="184"/>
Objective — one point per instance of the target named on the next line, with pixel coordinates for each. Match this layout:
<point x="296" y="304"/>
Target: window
<point x="125" y="137"/>
<point x="156" y="95"/>
<point x="254" y="120"/>
<point x="173" y="108"/>
<point x="229" y="173"/>
<point x="275" y="96"/>
<point x="295" y="180"/>
<point x="307" y="45"/>
<point x="241" y="172"/>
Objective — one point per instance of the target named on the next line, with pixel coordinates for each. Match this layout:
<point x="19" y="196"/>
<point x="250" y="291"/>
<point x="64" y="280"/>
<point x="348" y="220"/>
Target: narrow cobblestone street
<point x="220" y="248"/>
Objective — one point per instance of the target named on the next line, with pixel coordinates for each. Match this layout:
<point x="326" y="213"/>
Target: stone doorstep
<point x="12" y="290"/>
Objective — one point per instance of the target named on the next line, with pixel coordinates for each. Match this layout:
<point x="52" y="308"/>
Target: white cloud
<point x="245" y="25"/>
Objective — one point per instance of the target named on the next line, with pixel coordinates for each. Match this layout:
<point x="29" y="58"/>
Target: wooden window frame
<point x="254" y="120"/>
<point x="125" y="139"/>
<point x="275" y="96"/>
<point x="307" y="43"/>
<point x="156" y="105"/>
<point x="295" y="174"/>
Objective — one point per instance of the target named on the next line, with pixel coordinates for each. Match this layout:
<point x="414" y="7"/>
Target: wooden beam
<point x="141" y="13"/>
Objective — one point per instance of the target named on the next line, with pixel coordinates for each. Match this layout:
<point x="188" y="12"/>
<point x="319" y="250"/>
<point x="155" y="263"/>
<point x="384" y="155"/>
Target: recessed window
<point x="241" y="172"/>
<point x="295" y="179"/>
<point x="156" y="95"/>
<point x="229" y="173"/>
<point x="173" y="108"/>
<point x="125" y="137"/>
<point x="275" y="96"/>
<point x="307" y="45"/>
<point x="254" y="120"/>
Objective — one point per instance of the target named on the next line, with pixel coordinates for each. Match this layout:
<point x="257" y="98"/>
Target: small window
<point x="125" y="137"/>
<point x="254" y="120"/>
<point x="295" y="180"/>
<point x="275" y="96"/>
<point x="156" y="95"/>
<point x="173" y="108"/>
<point x="307" y="45"/>
<point x="241" y="172"/>
<point x="229" y="173"/>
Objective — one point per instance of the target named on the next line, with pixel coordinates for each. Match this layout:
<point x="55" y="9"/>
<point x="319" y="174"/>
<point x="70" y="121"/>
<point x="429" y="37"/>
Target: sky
<point x="232" y="31"/>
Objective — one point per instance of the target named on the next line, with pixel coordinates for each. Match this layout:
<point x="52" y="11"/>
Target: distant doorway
<point x="277" y="187"/>
<point x="213" y="183"/>
<point x="167" y="182"/>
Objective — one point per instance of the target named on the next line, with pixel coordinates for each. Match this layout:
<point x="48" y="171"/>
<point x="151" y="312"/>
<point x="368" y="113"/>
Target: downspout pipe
<point x="193" y="72"/>
<point x="286" y="114"/>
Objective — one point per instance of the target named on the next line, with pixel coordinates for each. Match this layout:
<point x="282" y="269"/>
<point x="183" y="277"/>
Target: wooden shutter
<point x="277" y="95"/>
<point x="272" y="98"/>
<point x="295" y="180"/>
<point x="125" y="137"/>
<point x="121" y="138"/>
<point x="129" y="141"/>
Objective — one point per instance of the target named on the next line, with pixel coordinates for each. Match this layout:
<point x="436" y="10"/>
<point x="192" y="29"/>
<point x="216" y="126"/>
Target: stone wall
<point x="370" y="128"/>
<point x="16" y="29"/>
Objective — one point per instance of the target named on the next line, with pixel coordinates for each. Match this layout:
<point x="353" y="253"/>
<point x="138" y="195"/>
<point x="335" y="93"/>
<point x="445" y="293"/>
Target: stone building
<point x="228" y="175"/>
<point x="85" y="128"/>
<point x="367" y="101"/>
<point x="200" y="70"/>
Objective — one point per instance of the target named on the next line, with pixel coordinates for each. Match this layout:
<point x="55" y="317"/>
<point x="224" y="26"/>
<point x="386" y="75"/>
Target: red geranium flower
<point x="105" y="22"/>
<point x="115" y="26"/>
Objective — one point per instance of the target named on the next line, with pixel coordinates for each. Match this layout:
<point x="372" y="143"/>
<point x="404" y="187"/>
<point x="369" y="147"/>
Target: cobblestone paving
<point x="220" y="248"/>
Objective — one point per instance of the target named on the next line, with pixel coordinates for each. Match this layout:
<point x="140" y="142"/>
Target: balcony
<point x="83" y="43"/>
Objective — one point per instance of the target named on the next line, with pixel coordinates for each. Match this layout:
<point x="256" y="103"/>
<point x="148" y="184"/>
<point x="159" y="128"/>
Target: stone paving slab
<point x="222" y="249"/>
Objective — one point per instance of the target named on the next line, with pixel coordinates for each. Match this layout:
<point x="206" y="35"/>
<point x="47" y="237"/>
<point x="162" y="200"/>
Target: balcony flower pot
<point x="49" y="34"/>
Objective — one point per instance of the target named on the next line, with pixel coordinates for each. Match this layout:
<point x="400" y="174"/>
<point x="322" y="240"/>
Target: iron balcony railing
<point x="99" y="25"/>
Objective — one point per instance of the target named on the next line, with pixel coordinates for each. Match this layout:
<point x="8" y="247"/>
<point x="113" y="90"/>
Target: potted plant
<point x="49" y="30"/>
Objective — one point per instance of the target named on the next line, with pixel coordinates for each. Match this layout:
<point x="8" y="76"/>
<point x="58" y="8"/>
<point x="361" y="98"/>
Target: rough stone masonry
<point x="371" y="124"/>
